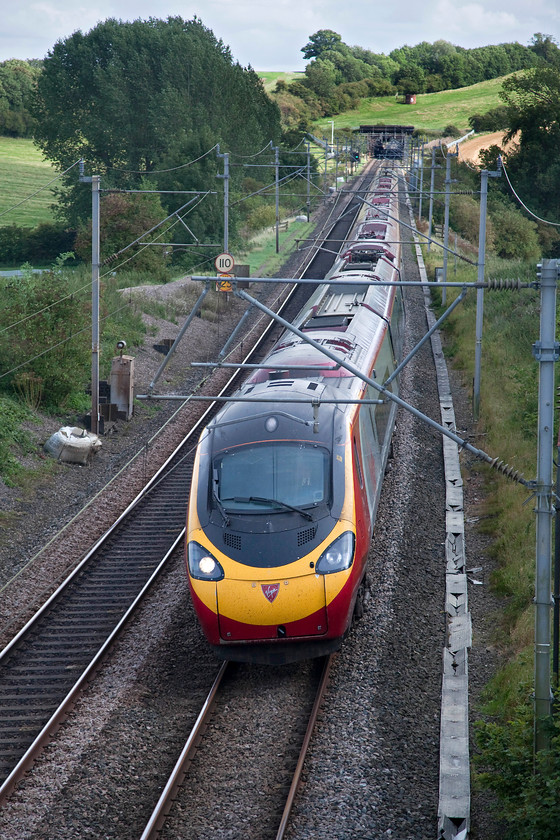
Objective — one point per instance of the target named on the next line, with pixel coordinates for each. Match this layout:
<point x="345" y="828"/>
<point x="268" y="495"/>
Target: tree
<point x="546" y="47"/>
<point x="324" y="39"/>
<point x="123" y="219"/>
<point x="123" y="94"/>
<point x="532" y="100"/>
<point x="321" y="77"/>
<point x="411" y="79"/>
<point x="17" y="84"/>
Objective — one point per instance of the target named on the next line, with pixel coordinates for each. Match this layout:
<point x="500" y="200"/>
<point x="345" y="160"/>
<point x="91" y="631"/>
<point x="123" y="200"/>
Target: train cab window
<point x="267" y="477"/>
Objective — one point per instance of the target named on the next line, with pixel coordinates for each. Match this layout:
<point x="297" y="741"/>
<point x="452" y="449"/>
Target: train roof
<point x="348" y="315"/>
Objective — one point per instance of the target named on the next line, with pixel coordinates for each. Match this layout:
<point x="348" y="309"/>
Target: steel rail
<point x="305" y="746"/>
<point x="64" y="708"/>
<point x="177" y="776"/>
<point x="178" y="773"/>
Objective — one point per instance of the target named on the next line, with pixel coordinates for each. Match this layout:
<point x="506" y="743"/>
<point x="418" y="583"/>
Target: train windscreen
<point x="271" y="477"/>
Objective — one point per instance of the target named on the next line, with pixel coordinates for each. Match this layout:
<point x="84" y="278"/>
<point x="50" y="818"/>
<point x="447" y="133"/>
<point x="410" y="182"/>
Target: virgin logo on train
<point x="270" y="590"/>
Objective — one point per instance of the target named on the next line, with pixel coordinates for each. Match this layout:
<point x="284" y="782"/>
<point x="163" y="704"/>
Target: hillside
<point x="432" y="111"/>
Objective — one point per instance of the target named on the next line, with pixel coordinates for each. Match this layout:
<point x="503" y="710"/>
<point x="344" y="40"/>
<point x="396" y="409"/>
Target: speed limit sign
<point x="224" y="263"/>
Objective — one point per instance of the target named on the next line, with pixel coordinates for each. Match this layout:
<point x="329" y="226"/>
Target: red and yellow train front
<point x="271" y="545"/>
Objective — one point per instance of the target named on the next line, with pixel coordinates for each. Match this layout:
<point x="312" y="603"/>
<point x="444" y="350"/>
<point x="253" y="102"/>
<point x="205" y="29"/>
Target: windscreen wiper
<point x="262" y="500"/>
<point x="222" y="510"/>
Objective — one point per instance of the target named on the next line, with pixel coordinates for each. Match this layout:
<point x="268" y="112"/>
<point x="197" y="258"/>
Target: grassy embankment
<point x="270" y="77"/>
<point x="508" y="430"/>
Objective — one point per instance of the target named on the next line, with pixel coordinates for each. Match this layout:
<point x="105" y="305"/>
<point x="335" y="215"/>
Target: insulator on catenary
<point x="506" y="284"/>
<point x="509" y="472"/>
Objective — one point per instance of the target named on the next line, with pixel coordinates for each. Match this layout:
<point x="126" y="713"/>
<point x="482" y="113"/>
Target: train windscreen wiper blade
<point x="222" y="510"/>
<point x="263" y="500"/>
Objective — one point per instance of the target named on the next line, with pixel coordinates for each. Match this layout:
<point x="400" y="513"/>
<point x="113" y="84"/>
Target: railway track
<point x="45" y="666"/>
<point x="195" y="741"/>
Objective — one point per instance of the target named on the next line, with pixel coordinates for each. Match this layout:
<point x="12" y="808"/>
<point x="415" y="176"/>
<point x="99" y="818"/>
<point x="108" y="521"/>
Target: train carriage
<point x="285" y="490"/>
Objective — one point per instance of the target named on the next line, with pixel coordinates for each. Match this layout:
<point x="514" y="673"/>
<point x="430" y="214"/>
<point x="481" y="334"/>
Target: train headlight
<point x="338" y="556"/>
<point x="202" y="565"/>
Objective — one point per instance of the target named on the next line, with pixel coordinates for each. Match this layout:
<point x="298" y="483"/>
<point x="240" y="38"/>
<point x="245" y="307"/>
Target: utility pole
<point x="225" y="177"/>
<point x="277" y="195"/>
<point x="448" y="183"/>
<point x="431" y="206"/>
<point x="336" y="167"/>
<point x="308" y="199"/>
<point x="546" y="351"/>
<point x="95" y="181"/>
<point x="480" y="291"/>
<point x="421" y="180"/>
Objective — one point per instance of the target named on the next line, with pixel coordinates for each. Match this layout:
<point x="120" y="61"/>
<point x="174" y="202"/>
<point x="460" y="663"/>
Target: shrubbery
<point x="39" y="246"/>
<point x="493" y="120"/>
<point x="39" y="312"/>
<point x="45" y="332"/>
<point x="528" y="788"/>
<point x="515" y="235"/>
<point x="12" y="435"/>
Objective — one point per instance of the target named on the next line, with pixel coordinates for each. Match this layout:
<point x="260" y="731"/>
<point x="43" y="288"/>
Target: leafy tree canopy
<point x="546" y="47"/>
<point x="533" y="113"/>
<point x="324" y="39"/>
<point x="422" y="68"/>
<point x="124" y="94"/>
<point x="17" y="84"/>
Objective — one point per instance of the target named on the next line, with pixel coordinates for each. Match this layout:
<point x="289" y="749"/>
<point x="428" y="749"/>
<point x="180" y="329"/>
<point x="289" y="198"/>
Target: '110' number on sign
<point x="224" y="263"/>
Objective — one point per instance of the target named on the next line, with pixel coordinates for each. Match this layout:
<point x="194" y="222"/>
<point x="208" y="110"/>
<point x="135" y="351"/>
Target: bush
<point x="260" y="218"/>
<point x="464" y="217"/>
<point x="494" y="120"/>
<point x="528" y="787"/>
<point x="39" y="245"/>
<point x="515" y="236"/>
<point x="45" y="329"/>
<point x="12" y="437"/>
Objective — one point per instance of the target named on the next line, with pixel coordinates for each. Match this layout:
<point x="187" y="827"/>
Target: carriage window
<point x="293" y="474"/>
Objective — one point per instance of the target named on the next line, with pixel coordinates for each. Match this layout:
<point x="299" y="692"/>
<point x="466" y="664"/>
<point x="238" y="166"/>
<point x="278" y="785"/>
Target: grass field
<point x="270" y="77"/>
<point x="22" y="172"/>
<point x="432" y="111"/>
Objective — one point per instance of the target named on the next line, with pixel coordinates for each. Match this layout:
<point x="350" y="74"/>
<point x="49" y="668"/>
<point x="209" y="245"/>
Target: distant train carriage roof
<point x="386" y="129"/>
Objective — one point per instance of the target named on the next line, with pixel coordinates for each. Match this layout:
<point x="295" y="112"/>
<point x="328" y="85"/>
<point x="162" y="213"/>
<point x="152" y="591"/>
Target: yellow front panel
<point x="265" y="602"/>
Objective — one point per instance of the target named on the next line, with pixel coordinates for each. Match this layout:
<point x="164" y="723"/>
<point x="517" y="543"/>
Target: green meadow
<point x="23" y="172"/>
<point x="270" y="77"/>
<point x="432" y="111"/>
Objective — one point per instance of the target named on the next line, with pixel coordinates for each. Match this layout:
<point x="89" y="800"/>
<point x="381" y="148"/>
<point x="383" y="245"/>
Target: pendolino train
<point x="285" y="491"/>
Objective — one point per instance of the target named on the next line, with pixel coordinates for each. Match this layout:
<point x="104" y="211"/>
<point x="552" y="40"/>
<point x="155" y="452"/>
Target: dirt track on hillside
<point x="469" y="150"/>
